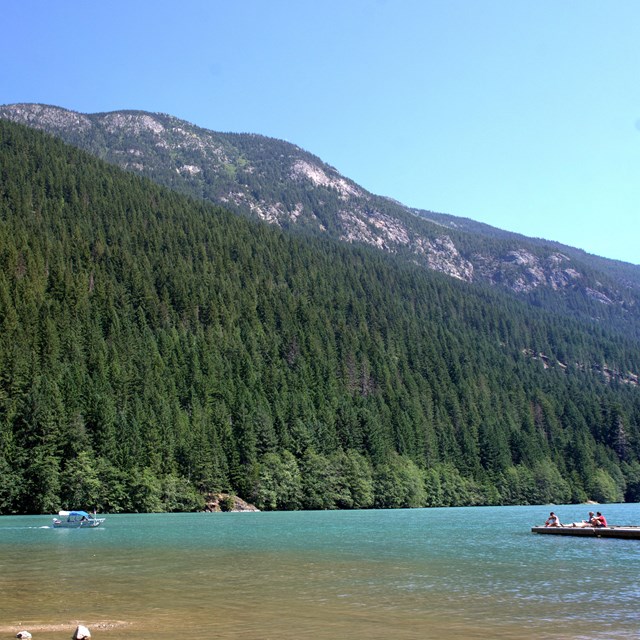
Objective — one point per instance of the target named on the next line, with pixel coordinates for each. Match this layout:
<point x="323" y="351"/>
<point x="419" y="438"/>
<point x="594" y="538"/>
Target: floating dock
<point x="629" y="533"/>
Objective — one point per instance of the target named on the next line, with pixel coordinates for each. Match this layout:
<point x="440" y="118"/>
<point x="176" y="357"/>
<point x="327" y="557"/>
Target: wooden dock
<point x="613" y="531"/>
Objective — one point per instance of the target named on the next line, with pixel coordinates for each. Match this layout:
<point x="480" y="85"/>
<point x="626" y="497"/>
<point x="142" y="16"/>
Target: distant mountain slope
<point x="155" y="349"/>
<point x="284" y="185"/>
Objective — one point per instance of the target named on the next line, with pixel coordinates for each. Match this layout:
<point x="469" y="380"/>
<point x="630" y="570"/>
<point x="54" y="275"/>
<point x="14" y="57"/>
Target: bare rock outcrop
<point x="226" y="502"/>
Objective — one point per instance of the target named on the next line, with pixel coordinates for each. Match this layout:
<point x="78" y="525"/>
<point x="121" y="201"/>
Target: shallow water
<point x="423" y="573"/>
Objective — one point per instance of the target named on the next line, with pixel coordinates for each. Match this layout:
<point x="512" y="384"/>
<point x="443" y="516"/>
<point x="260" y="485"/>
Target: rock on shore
<point x="81" y="633"/>
<point x="227" y="502"/>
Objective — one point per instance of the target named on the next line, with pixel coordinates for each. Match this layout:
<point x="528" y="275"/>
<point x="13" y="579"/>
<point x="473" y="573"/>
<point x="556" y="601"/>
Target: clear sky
<point x="521" y="114"/>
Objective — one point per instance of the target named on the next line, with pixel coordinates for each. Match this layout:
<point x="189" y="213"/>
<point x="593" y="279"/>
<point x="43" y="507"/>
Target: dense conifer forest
<point x="278" y="182"/>
<point x="155" y="349"/>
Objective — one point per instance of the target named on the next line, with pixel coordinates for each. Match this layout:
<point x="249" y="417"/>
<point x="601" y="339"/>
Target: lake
<point x="419" y="573"/>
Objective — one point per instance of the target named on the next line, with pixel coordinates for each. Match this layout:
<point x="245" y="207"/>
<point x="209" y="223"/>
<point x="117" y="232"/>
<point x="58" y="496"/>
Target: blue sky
<point x="521" y="114"/>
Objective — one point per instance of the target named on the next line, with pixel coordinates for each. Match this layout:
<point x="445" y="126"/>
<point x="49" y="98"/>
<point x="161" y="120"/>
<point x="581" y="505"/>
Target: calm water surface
<point x="424" y="573"/>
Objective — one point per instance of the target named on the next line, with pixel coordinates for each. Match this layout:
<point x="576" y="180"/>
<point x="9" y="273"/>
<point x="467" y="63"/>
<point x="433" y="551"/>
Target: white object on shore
<point x="81" y="633"/>
<point x="23" y="634"/>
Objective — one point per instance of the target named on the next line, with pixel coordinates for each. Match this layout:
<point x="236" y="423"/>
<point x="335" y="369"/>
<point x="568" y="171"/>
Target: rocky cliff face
<point x="284" y="185"/>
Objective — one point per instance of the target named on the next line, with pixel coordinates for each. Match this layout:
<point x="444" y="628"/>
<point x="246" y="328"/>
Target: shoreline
<point x="41" y="627"/>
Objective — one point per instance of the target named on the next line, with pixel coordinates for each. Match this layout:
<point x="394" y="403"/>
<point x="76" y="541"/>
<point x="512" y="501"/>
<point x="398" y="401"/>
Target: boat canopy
<point x="75" y="513"/>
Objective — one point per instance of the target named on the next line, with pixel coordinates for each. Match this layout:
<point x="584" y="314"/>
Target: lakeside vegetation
<point x="154" y="349"/>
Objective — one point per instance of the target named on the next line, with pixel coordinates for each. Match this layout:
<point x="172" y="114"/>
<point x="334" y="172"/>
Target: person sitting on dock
<point x="599" y="520"/>
<point x="589" y="522"/>
<point x="552" y="521"/>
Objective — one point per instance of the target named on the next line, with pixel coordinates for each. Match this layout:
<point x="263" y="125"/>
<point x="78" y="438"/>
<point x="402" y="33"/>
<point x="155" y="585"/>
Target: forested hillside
<point x="278" y="182"/>
<point x="154" y="349"/>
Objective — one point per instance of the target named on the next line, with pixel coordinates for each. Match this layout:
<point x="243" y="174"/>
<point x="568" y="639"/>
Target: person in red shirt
<point x="600" y="520"/>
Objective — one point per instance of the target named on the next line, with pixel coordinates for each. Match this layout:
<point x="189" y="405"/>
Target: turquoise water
<point x="424" y="573"/>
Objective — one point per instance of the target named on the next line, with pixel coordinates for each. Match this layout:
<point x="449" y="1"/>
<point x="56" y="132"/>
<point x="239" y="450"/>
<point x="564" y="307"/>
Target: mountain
<point x="284" y="185"/>
<point x="156" y="349"/>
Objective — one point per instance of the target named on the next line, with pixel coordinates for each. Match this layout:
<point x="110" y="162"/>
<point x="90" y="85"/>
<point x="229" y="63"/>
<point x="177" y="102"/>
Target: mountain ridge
<point x="282" y="184"/>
